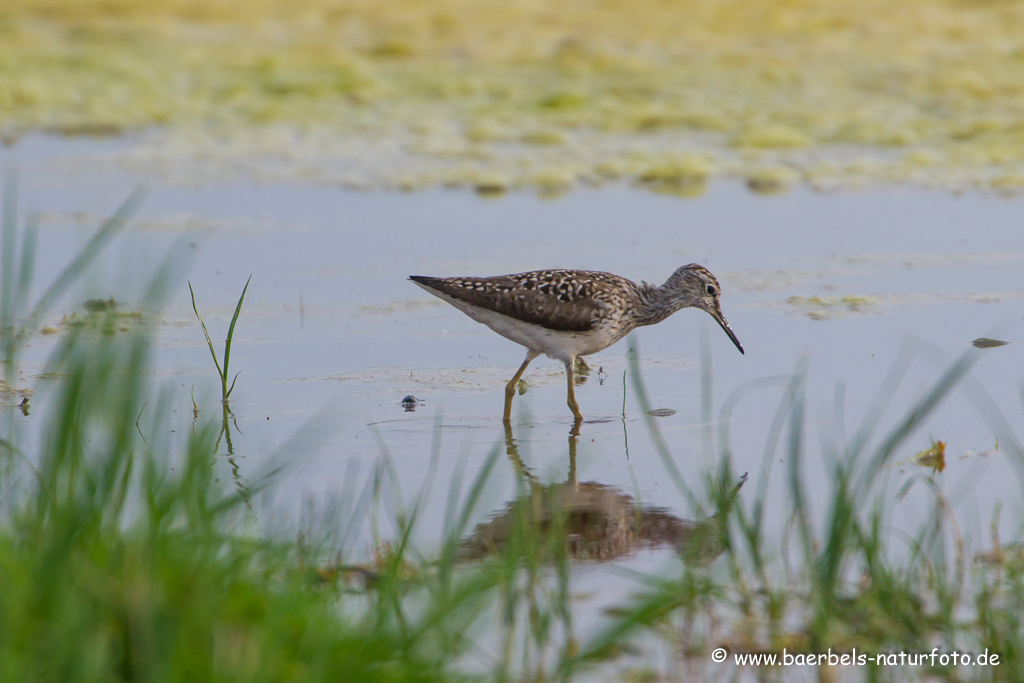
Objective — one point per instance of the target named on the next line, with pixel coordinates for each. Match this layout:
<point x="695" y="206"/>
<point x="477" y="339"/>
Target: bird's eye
<point x="711" y="290"/>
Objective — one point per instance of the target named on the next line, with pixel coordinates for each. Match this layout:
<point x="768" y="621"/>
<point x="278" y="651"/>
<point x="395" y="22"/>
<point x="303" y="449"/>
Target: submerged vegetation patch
<point x="820" y="308"/>
<point x="529" y="94"/>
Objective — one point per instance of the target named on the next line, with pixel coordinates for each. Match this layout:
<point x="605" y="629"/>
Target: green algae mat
<point x="530" y="93"/>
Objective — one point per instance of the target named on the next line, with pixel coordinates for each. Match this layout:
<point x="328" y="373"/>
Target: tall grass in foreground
<point x="836" y="579"/>
<point x="124" y="558"/>
<point x="127" y="562"/>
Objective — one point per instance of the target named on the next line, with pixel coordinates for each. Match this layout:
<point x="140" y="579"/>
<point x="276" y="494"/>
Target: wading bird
<point x="567" y="314"/>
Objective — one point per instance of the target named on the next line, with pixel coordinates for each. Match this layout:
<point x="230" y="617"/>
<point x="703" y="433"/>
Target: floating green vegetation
<point x="677" y="174"/>
<point x="820" y="308"/>
<point x="424" y="93"/>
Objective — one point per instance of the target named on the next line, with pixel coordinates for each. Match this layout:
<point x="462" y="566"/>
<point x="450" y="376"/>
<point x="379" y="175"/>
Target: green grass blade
<point x="476" y="490"/>
<point x="209" y="341"/>
<point x="27" y="265"/>
<point x="85" y="257"/>
<point x="917" y="415"/>
<point x="228" y="394"/>
<point x="873" y="418"/>
<point x="801" y="513"/>
<point x="8" y="226"/>
<point x="231" y="332"/>
<point x="652" y="428"/>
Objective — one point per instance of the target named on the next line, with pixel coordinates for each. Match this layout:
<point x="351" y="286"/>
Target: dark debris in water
<point x="100" y="305"/>
<point x="661" y="412"/>
<point x="985" y="343"/>
<point x="410" y="403"/>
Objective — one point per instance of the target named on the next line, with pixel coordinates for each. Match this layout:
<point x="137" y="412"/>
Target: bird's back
<point x="558" y="300"/>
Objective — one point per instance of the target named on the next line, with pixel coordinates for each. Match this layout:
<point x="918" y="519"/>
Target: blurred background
<point x="540" y="95"/>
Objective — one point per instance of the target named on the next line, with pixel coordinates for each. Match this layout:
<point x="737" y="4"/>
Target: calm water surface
<point x="331" y="326"/>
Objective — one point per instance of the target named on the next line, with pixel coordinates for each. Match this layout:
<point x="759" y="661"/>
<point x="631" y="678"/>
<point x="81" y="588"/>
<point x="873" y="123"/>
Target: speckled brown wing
<point x="561" y="300"/>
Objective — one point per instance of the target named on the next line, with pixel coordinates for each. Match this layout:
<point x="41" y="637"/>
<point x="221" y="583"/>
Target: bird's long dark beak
<point x="717" y="315"/>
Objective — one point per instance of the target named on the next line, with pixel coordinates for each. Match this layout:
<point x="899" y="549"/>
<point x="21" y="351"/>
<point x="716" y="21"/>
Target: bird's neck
<point x="656" y="304"/>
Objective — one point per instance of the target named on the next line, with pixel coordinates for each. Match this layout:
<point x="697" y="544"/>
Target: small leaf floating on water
<point x="934" y="457"/>
<point x="985" y="343"/>
<point x="661" y="412"/>
<point x="24" y="406"/>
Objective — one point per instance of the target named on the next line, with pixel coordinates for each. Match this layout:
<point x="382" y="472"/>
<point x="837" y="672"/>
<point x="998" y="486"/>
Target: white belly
<point x="562" y="346"/>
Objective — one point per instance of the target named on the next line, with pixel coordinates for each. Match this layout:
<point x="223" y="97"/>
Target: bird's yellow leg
<point x="510" y="388"/>
<point x="573" y="406"/>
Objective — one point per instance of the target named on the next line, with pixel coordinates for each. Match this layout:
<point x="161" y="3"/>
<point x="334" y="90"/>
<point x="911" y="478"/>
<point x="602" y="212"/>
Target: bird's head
<point x="694" y="285"/>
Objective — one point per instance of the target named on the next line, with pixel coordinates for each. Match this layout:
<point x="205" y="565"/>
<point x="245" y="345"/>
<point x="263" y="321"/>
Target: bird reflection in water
<point x="591" y="521"/>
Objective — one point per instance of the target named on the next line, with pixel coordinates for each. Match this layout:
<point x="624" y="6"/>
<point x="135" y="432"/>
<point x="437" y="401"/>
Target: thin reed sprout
<point x="223" y="371"/>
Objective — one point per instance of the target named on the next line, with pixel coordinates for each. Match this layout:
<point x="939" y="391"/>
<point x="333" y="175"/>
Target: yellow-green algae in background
<point x="820" y="308"/>
<point x="534" y="93"/>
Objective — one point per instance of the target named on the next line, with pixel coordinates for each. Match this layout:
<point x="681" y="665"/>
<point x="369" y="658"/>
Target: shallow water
<point x="332" y="327"/>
